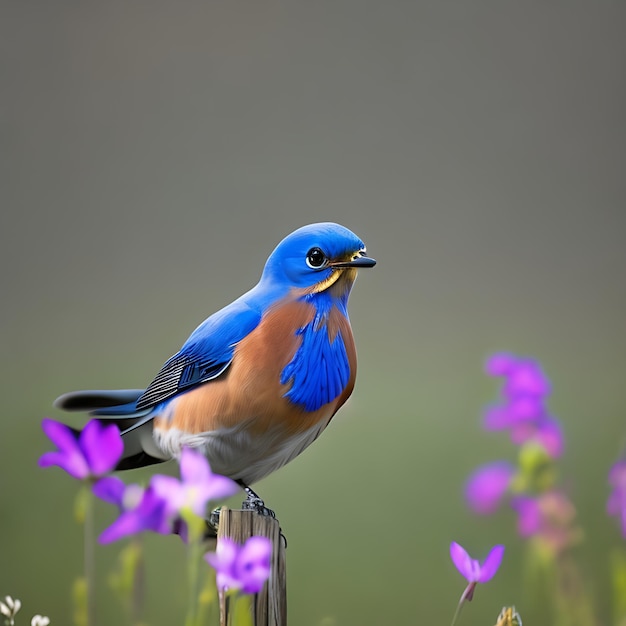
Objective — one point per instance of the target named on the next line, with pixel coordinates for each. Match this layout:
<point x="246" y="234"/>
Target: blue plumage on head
<point x="290" y="263"/>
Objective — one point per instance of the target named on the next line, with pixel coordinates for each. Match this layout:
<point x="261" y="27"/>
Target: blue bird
<point x="259" y="380"/>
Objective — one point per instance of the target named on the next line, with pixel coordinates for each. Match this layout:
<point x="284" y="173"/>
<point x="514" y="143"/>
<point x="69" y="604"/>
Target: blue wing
<point x="205" y="355"/>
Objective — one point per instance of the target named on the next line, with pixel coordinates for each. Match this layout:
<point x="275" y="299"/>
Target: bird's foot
<point x="212" y="524"/>
<point x="253" y="502"/>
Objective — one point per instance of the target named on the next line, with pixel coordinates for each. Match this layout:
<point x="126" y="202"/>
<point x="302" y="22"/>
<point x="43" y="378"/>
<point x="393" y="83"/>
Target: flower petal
<point x="497" y="418"/>
<point x="194" y="467"/>
<point x="614" y="503"/>
<point x="150" y="514"/>
<point x="550" y="435"/>
<point x="170" y="490"/>
<point x="253" y="567"/>
<point x="60" y="434"/>
<point x="257" y="548"/>
<point x="617" y="474"/>
<point x="197" y="486"/>
<point x="221" y="487"/>
<point x="529" y="515"/>
<point x="73" y="463"/>
<point x="223" y="562"/>
<point x="69" y="456"/>
<point x="461" y="560"/>
<point x="102" y="446"/>
<point x="527" y="377"/>
<point x="491" y="564"/>
<point x="526" y="407"/>
<point x="500" y="364"/>
<point x="224" y="556"/>
<point x="225" y="580"/>
<point x="126" y="524"/>
<point x="110" y="489"/>
<point x="487" y="485"/>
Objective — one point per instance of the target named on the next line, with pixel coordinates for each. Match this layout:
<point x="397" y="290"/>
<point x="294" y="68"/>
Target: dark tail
<point x="119" y="407"/>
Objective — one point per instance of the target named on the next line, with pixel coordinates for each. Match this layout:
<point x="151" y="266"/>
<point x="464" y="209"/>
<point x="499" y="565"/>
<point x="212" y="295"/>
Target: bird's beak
<point x="358" y="262"/>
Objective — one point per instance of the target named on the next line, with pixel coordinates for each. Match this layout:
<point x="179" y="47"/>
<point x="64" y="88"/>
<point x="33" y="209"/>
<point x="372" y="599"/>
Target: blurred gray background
<point x="153" y="154"/>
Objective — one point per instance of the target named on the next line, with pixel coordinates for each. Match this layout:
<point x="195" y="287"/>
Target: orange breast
<point x="249" y="395"/>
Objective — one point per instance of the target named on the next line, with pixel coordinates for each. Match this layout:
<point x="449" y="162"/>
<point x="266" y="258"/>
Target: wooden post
<point x="270" y="604"/>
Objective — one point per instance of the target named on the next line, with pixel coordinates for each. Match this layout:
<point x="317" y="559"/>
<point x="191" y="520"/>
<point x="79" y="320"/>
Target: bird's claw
<point x="250" y="504"/>
<point x="254" y="503"/>
<point x="213" y="522"/>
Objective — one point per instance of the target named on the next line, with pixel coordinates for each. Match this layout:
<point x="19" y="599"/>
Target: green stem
<point x="208" y="597"/>
<point x="89" y="556"/>
<point x="242" y="611"/>
<point x="468" y="594"/>
<point x="137" y="592"/>
<point x="192" y="574"/>
<point x="194" y="557"/>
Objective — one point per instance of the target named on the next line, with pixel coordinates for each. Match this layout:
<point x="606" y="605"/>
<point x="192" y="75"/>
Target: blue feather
<point x="205" y="355"/>
<point x="319" y="370"/>
<point x="302" y="266"/>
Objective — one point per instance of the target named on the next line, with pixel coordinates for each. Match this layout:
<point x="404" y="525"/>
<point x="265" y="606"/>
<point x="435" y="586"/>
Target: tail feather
<point x="119" y="407"/>
<point x="141" y="459"/>
<point x="98" y="399"/>
<point x="123" y="410"/>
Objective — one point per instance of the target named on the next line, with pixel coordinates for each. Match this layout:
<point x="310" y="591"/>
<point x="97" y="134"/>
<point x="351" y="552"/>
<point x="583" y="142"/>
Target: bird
<point x="260" y="379"/>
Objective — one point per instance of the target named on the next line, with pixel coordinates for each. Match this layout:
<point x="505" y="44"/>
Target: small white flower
<point x="39" y="620"/>
<point x="9" y="607"/>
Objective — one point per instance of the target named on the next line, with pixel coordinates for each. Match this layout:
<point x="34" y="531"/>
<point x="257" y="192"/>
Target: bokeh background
<point x="153" y="153"/>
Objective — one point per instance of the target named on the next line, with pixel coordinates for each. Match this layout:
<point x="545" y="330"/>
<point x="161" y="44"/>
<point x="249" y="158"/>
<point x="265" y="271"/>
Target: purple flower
<point x="473" y="570"/>
<point x="158" y="507"/>
<point x="546" y="432"/>
<point x="523" y="411"/>
<point x="93" y="453"/>
<point x="529" y="518"/>
<point x="526" y="378"/>
<point x="500" y="364"/>
<point x="140" y="509"/>
<point x="111" y="489"/>
<point x="524" y="375"/>
<point x="497" y="417"/>
<point x="197" y="486"/>
<point x="244" y="567"/>
<point x="616" y="504"/>
<point x="550" y="518"/>
<point x="487" y="485"/>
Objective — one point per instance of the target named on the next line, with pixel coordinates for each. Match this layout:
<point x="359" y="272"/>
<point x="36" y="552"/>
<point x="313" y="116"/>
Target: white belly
<point x="235" y="453"/>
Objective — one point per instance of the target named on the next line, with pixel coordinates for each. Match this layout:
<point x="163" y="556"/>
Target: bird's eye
<point x="315" y="258"/>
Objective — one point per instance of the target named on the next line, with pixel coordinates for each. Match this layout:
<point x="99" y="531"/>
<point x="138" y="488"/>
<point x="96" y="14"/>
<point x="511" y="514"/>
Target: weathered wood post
<point x="269" y="607"/>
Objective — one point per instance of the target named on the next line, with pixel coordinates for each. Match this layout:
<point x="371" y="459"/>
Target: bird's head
<point x="316" y="257"/>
